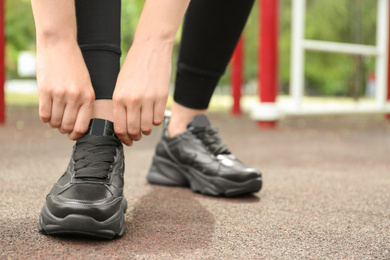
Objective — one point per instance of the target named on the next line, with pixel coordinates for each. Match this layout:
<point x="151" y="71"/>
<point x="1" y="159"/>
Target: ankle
<point x="180" y="118"/>
<point x="176" y="128"/>
<point x="103" y="109"/>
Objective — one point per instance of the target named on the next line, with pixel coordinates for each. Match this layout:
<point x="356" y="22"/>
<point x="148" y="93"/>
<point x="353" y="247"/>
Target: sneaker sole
<point x="80" y="225"/>
<point x="165" y="172"/>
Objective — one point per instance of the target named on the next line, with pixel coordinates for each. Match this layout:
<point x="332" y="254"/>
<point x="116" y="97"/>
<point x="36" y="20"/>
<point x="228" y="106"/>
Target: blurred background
<point x="327" y="177"/>
<point x="326" y="75"/>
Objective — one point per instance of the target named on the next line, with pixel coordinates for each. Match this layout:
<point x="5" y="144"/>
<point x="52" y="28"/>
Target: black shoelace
<point x="94" y="156"/>
<point x="211" y="138"/>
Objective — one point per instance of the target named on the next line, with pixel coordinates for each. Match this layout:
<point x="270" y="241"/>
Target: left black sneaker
<point x="88" y="198"/>
<point x="198" y="158"/>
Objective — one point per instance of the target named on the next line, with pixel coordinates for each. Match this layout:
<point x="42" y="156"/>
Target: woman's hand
<point x="142" y="89"/>
<point x="65" y="90"/>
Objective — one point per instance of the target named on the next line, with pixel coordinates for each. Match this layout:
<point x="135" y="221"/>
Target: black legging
<point x="210" y="33"/>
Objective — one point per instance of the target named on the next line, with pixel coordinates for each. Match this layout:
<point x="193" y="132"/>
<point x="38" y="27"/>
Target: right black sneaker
<point x="88" y="198"/>
<point x="198" y="158"/>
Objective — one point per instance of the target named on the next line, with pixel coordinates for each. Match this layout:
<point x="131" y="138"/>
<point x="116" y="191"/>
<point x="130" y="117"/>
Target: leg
<point x="88" y="198"/>
<point x="191" y="151"/>
<point x="210" y="33"/>
<point x="98" y="35"/>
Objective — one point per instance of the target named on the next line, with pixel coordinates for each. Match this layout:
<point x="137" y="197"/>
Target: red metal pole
<point x="268" y="55"/>
<point x="237" y="76"/>
<point x="2" y="62"/>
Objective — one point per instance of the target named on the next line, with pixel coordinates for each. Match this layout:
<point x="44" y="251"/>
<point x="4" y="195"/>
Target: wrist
<point x="49" y="38"/>
<point x="162" y="44"/>
<point x="155" y="40"/>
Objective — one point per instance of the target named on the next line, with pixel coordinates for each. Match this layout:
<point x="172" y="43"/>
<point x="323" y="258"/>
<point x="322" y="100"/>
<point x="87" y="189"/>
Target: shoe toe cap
<point x="100" y="211"/>
<point x="242" y="175"/>
<point x="88" y="199"/>
<point x="253" y="172"/>
<point x="86" y="192"/>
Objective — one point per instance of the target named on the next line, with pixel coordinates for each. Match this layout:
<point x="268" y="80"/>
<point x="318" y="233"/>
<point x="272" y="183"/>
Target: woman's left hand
<point x="141" y="91"/>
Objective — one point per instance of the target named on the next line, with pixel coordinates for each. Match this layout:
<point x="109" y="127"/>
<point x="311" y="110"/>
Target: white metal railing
<point x="300" y="45"/>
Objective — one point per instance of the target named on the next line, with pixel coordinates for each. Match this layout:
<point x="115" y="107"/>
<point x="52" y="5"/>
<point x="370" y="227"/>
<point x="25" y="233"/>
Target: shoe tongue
<point x="199" y="121"/>
<point x="100" y="127"/>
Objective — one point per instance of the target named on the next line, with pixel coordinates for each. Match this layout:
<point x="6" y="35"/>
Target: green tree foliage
<point x="329" y="20"/>
<point x="347" y="21"/>
<point x="131" y="11"/>
<point x="19" y="32"/>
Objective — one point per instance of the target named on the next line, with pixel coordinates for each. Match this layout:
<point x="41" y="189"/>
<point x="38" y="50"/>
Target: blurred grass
<point x="18" y="99"/>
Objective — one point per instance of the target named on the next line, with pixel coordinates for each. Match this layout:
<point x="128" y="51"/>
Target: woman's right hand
<point x="65" y="90"/>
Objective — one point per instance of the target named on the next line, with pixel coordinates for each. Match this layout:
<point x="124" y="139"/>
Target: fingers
<point x="69" y="118"/>
<point x="120" y="124"/>
<point x="45" y="104"/>
<point x="81" y="122"/>
<point x="158" y="112"/>
<point x="69" y="114"/>
<point x="134" y="122"/>
<point x="57" y="112"/>
<point x="147" y="119"/>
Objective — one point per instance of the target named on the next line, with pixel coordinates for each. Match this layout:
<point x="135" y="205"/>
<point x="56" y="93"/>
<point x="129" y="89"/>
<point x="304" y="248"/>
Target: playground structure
<point x="267" y="111"/>
<point x="380" y="51"/>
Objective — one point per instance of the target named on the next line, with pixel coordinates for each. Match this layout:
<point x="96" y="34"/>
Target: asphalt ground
<point x="326" y="194"/>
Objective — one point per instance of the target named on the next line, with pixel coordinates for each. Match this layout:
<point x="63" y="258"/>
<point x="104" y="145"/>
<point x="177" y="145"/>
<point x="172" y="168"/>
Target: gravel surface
<point x="325" y="195"/>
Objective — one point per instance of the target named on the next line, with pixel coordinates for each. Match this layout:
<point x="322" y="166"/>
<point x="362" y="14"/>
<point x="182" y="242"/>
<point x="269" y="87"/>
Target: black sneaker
<point x="198" y="158"/>
<point x="88" y="198"/>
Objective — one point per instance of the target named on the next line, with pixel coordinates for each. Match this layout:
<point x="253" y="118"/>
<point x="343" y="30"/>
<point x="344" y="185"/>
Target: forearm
<point x="160" y="20"/>
<point x="55" y="21"/>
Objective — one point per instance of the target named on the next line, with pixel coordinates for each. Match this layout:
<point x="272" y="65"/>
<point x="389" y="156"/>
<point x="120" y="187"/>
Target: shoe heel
<point x="164" y="172"/>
